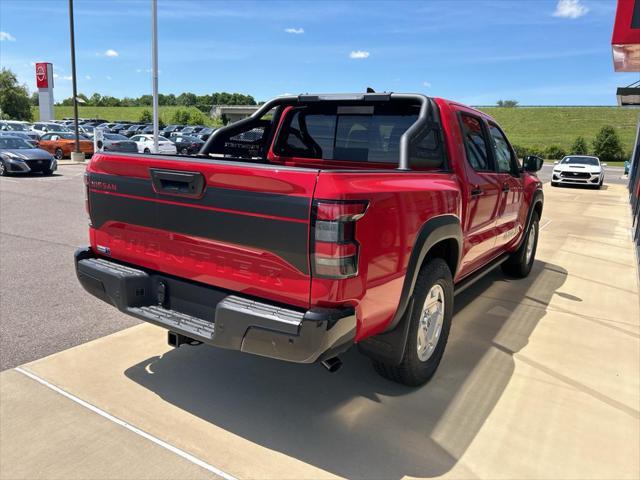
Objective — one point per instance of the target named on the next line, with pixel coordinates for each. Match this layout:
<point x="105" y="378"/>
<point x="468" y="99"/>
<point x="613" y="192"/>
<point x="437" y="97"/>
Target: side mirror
<point x="603" y="164"/>
<point x="532" y="163"/>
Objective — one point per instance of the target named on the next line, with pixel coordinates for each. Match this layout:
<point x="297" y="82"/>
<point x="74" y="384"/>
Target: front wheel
<point x="184" y="151"/>
<point x="520" y="262"/>
<point x="3" y="170"/>
<point x="59" y="154"/>
<point x="146" y="150"/>
<point x="430" y="320"/>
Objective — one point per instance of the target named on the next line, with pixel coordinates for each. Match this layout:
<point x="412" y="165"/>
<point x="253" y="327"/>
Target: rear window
<point x="353" y="133"/>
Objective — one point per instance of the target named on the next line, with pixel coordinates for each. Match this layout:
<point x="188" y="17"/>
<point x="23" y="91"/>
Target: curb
<point x="71" y="162"/>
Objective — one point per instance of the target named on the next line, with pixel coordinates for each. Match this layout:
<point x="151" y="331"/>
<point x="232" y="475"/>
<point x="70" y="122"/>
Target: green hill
<point x="117" y="113"/>
<point x="528" y="127"/>
<point x="544" y="126"/>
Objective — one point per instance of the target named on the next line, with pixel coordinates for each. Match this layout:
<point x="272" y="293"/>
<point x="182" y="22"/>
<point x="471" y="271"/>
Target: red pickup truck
<point x="320" y="222"/>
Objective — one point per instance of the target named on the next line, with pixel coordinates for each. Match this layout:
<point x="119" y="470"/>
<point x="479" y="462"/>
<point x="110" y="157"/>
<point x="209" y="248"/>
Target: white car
<point x="45" y="127"/>
<point x="578" y="170"/>
<point x="145" y="144"/>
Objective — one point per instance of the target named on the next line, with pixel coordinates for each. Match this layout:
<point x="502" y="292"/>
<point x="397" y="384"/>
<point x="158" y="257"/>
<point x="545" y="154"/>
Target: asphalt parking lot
<point x="43" y="309"/>
<point x="540" y="378"/>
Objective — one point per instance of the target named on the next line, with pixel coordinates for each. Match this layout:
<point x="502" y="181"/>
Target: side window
<point x="45" y="137"/>
<point x="475" y="143"/>
<point x="136" y="138"/>
<point x="504" y="156"/>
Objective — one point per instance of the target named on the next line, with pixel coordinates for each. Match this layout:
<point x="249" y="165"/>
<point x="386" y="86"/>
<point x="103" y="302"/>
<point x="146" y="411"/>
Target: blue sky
<point x="539" y="52"/>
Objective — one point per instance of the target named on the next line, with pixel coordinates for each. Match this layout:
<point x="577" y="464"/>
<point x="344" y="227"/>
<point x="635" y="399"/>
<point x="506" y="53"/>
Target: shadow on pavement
<point x="354" y="423"/>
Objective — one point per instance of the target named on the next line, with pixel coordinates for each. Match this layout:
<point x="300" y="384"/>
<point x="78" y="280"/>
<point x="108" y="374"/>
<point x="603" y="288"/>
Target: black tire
<point x="47" y="172"/>
<point x="3" y="170"/>
<point x="59" y="154"/>
<point x="146" y="150"/>
<point x="518" y="265"/>
<point x="184" y="151"/>
<point x="413" y="371"/>
<point x="554" y="184"/>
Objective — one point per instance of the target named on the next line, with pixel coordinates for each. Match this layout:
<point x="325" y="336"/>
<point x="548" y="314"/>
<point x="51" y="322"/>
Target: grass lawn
<point x="545" y="126"/>
<point x="120" y="113"/>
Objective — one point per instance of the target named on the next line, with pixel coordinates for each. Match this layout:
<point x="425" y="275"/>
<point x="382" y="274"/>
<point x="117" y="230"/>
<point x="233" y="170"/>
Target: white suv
<point x="578" y="170"/>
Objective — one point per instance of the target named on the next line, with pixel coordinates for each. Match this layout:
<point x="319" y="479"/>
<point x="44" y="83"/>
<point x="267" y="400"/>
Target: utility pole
<point x="75" y="85"/>
<point x="154" y="70"/>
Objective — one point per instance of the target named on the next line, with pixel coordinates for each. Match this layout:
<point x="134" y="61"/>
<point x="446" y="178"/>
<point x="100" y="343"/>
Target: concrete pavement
<point x="541" y="379"/>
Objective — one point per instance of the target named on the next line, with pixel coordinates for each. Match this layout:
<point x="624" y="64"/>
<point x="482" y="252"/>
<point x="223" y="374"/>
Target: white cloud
<point x="66" y="77"/>
<point x="570" y="9"/>
<point x="426" y="84"/>
<point x="357" y="54"/>
<point x="6" y="36"/>
<point x="111" y="53"/>
<point x="87" y="77"/>
<point x="296" y="31"/>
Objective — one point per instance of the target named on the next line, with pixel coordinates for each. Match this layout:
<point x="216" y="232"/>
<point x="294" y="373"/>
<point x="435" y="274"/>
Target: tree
<point x="181" y="117"/>
<point x="145" y="117"/>
<point x="579" y="147"/>
<point x="14" y="98"/>
<point x="507" y="103"/>
<point x="34" y="99"/>
<point x="186" y="99"/>
<point x="607" y="145"/>
<point x="554" y="152"/>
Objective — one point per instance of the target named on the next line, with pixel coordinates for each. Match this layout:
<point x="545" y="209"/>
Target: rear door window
<point x="475" y="143"/>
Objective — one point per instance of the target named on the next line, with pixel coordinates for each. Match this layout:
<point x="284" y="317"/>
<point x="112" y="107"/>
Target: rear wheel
<point x="430" y="320"/>
<point x="520" y="262"/>
<point x="184" y="151"/>
<point x="59" y="154"/>
<point x="146" y="150"/>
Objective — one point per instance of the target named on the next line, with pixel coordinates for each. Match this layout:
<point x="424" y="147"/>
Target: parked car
<point x="186" y="144"/>
<point x="87" y="130"/>
<point x="191" y="129"/>
<point x="94" y="122"/>
<point x="21" y="127"/>
<point x="145" y="144"/>
<point x="107" y="126"/>
<point x="114" y="142"/>
<point x="17" y="155"/>
<point x="24" y="135"/>
<point x="119" y="128"/>
<point x="61" y="144"/>
<point x="132" y="130"/>
<point x="205" y="133"/>
<point x="627" y="166"/>
<point x="578" y="170"/>
<point x="346" y="229"/>
<point x="169" y="129"/>
<point x="44" y="127"/>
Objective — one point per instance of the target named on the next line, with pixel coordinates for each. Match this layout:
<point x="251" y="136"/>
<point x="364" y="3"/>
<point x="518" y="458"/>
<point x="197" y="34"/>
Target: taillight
<point x="334" y="246"/>
<point x="87" y="207"/>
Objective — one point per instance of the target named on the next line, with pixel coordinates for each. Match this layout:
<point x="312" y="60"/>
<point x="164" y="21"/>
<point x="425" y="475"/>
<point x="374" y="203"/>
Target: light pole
<point x="154" y="69"/>
<point x="76" y="155"/>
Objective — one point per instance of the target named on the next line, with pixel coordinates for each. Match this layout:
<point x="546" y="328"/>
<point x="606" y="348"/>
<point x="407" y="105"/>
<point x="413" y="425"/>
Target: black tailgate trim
<point x="274" y="204"/>
<point x="288" y="240"/>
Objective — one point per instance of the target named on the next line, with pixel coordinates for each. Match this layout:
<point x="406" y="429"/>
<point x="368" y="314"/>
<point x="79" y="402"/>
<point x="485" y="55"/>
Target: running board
<point x="478" y="274"/>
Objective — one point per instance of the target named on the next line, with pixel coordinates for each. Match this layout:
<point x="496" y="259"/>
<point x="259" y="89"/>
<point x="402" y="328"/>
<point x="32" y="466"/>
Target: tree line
<point x="185" y="99"/>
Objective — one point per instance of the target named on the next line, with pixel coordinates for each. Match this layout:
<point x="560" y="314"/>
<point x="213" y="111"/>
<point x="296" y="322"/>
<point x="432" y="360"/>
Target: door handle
<point x="184" y="184"/>
<point x="505" y="187"/>
<point x="476" y="191"/>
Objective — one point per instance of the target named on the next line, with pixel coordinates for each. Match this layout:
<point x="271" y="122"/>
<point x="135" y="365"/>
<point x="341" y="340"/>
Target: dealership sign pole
<point x="154" y="68"/>
<point x="44" y="82"/>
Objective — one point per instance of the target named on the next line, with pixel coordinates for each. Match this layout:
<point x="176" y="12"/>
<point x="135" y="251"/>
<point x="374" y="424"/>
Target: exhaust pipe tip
<point x="332" y="364"/>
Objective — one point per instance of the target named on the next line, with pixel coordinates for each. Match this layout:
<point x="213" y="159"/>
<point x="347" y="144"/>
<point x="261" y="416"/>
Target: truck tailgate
<point x="236" y="226"/>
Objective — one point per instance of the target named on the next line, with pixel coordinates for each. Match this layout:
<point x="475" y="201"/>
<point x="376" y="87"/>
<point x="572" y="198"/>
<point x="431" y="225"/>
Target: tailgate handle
<point x="184" y="184"/>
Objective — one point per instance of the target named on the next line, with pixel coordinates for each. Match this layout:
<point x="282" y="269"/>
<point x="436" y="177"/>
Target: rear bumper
<point x="217" y="317"/>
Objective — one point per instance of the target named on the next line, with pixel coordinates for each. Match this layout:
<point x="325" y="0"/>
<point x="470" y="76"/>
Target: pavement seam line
<point x="187" y="456"/>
